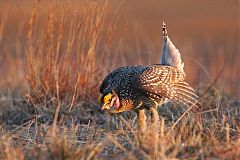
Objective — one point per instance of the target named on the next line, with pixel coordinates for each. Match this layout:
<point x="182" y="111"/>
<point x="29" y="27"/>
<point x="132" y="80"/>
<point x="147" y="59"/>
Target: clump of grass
<point x="68" y="60"/>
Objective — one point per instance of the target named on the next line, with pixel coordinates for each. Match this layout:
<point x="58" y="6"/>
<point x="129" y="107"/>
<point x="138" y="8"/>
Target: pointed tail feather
<point x="170" y="54"/>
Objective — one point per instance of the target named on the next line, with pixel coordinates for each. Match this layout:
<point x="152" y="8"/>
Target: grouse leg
<point x="154" y="120"/>
<point x="154" y="116"/>
<point x="142" y="120"/>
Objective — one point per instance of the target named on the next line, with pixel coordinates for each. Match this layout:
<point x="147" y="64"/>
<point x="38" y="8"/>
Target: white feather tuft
<point x="170" y="54"/>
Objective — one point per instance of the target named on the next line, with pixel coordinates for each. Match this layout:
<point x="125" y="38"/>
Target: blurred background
<point x="206" y="33"/>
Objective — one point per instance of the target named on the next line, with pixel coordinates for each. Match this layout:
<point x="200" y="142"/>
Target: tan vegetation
<point x="52" y="60"/>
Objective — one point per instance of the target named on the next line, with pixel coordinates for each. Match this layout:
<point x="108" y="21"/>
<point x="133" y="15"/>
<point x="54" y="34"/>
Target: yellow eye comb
<point x="107" y="97"/>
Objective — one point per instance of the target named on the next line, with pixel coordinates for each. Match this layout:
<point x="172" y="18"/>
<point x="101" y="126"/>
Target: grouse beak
<point x="105" y="107"/>
<point x="102" y="108"/>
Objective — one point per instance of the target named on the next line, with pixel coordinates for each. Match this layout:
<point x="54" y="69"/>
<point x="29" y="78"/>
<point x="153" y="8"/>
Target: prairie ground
<point x="54" y="55"/>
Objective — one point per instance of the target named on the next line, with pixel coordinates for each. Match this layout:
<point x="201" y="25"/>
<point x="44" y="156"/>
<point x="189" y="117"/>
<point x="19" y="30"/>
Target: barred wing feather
<point x="167" y="82"/>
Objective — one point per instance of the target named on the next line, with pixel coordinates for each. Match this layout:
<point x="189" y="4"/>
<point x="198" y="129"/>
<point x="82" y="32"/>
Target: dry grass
<point x="49" y="86"/>
<point x="88" y="134"/>
<point x="67" y="61"/>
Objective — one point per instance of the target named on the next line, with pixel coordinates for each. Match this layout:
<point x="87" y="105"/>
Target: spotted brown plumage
<point x="146" y="87"/>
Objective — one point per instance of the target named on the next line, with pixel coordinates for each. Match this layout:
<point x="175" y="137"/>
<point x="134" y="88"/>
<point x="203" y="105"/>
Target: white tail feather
<point x="170" y="54"/>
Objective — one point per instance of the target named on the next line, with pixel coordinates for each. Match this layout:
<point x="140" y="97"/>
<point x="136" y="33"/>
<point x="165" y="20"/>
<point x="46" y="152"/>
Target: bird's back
<point x="120" y="77"/>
